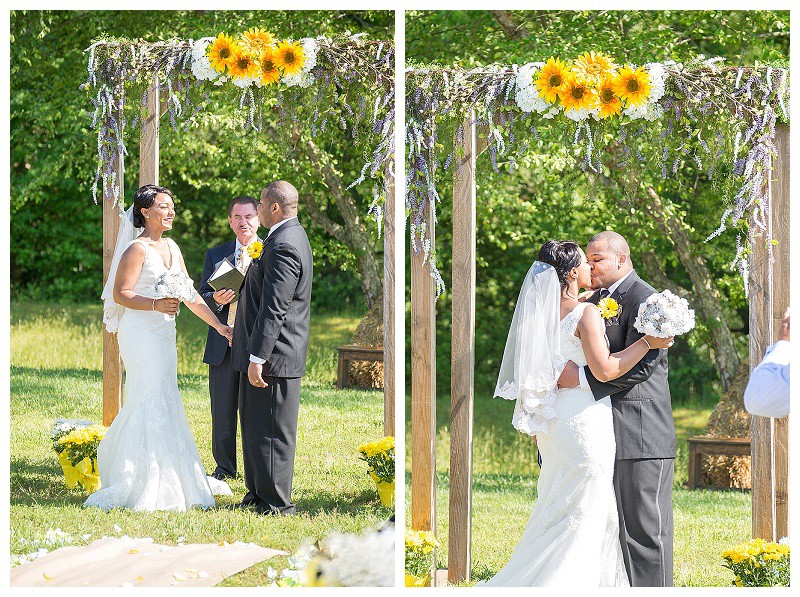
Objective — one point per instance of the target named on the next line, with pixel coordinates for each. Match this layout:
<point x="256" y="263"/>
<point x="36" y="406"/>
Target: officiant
<point x="223" y="381"/>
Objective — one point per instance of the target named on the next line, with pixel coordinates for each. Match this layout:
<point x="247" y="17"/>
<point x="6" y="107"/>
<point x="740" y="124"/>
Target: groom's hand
<point x="254" y="376"/>
<point x="569" y="376"/>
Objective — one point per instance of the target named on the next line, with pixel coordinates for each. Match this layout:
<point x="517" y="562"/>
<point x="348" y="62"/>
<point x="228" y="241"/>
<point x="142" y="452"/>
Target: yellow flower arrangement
<point x="221" y="51"/>
<point x="577" y="95"/>
<point x="379" y="456"/>
<point x="269" y="70"/>
<point x="552" y="79"/>
<point x="592" y="67"/>
<point x="419" y="546"/>
<point x="632" y="86"/>
<point x="759" y="563"/>
<point x="610" y="104"/>
<point x="77" y="454"/>
<point x="243" y="65"/>
<point x="255" y="248"/>
<point x="290" y="57"/>
<point x="608" y="308"/>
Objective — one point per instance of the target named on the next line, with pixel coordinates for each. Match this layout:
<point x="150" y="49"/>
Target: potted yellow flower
<point x="759" y="563"/>
<point x="76" y="443"/>
<point x="419" y="557"/>
<point x="379" y="456"/>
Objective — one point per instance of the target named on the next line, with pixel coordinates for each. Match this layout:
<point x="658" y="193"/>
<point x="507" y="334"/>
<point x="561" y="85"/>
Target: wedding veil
<point x="111" y="310"/>
<point x="532" y="361"/>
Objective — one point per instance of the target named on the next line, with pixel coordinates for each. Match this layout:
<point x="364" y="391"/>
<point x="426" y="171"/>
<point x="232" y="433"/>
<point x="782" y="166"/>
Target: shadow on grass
<point x="40" y="484"/>
<point x="42" y="373"/>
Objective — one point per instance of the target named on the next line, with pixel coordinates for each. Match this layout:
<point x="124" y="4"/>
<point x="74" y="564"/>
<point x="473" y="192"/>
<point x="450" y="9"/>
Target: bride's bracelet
<point x="648" y="344"/>
<point x="154" y="307"/>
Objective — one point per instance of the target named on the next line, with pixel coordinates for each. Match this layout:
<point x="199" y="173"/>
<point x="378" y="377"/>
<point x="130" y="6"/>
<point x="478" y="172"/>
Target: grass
<point x="56" y="371"/>
<point x="504" y="489"/>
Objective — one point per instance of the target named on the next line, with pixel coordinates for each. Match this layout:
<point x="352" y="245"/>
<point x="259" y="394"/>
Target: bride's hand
<point x="226" y="331"/>
<point x="660" y="342"/>
<point x="168" y="306"/>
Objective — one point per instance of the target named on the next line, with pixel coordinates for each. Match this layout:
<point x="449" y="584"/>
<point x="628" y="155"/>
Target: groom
<point x="643" y="424"/>
<point x="270" y="345"/>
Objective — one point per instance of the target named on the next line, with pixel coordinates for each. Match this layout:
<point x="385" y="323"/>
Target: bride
<point x="572" y="536"/>
<point x="148" y="459"/>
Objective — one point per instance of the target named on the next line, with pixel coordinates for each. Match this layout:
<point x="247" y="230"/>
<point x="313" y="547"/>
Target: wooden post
<point x="389" y="332"/>
<point x="769" y="298"/>
<point x="148" y="144"/>
<point x="423" y="391"/>
<point x="112" y="365"/>
<point x="462" y="396"/>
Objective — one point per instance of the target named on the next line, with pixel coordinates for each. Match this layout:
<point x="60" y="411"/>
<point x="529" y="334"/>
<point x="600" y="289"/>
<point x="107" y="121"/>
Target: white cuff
<point x="257" y="360"/>
<point x="584" y="383"/>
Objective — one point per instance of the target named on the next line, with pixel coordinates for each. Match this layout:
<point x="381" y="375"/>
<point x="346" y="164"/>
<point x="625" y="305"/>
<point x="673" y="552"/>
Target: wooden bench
<point x="716" y="446"/>
<point x="350" y="353"/>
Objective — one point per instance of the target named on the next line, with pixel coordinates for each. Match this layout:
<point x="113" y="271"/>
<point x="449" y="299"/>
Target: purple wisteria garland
<point x="681" y="124"/>
<point x="350" y="86"/>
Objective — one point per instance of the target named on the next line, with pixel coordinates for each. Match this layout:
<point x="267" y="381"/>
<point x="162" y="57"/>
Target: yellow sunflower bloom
<point x="633" y="86"/>
<point x="576" y="95"/>
<point x="242" y="65"/>
<point x="221" y="51"/>
<point x="268" y="69"/>
<point x="608" y="102"/>
<point x="290" y="57"/>
<point x="552" y="79"/>
<point x="256" y="41"/>
<point x="592" y="67"/>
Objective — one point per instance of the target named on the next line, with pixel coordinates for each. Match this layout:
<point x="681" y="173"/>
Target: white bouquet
<point x="664" y="314"/>
<point x="175" y="285"/>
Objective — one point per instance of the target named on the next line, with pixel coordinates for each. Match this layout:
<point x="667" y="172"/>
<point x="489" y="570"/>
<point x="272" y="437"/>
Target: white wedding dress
<point x="148" y="459"/>
<point x="572" y="536"/>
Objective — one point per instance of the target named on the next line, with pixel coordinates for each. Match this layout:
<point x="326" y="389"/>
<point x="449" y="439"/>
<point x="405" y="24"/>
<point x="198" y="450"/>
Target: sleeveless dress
<point x="572" y="536"/>
<point x="148" y="459"/>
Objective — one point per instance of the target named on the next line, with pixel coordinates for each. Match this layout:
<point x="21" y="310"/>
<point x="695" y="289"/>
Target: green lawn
<point x="56" y="356"/>
<point x="504" y="489"/>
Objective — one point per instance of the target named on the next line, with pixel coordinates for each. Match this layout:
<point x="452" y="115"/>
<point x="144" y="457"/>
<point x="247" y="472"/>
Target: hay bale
<point x="369" y="333"/>
<point x="730" y="419"/>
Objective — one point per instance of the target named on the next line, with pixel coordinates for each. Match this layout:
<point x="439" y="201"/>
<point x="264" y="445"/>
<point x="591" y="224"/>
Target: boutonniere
<point x="255" y="248"/>
<point x="609" y="308"/>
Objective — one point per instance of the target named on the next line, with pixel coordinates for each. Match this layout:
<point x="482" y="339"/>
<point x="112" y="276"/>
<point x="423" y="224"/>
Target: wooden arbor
<point x="769" y="297"/>
<point x="148" y="174"/>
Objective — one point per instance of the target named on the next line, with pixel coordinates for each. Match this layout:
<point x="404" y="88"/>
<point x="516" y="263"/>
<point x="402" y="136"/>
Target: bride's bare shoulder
<point x="590" y="315"/>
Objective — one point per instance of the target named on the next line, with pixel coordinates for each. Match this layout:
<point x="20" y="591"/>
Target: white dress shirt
<point x="584" y="383"/>
<point x="254" y="358"/>
<point x="767" y="391"/>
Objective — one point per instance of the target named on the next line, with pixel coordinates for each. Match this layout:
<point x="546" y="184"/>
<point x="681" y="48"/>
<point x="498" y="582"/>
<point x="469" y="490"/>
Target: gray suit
<point x="645" y="436"/>
<point x="272" y="322"/>
<point x="223" y="381"/>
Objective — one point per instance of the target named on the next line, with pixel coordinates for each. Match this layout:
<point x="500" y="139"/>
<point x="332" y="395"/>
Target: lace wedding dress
<point x="572" y="536"/>
<point x="148" y="459"/>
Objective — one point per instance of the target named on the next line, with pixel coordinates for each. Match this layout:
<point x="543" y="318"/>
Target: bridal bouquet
<point x="759" y="563"/>
<point x="379" y="456"/>
<point x="664" y="314"/>
<point x="76" y="445"/>
<point x="175" y="285"/>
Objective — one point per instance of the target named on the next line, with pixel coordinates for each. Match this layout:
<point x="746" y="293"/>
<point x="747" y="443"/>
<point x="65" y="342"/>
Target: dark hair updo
<point x="563" y="255"/>
<point x="145" y="197"/>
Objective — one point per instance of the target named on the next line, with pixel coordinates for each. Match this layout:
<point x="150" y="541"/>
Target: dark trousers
<point x="223" y="387"/>
<point x="269" y="432"/>
<point x="644" y="504"/>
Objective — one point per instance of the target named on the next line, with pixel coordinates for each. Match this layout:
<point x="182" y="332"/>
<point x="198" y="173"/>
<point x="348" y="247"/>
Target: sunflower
<point x="268" y="69"/>
<point x="633" y="86"/>
<point x="289" y="57"/>
<point x="551" y="79"/>
<point x="576" y="95"/>
<point x="609" y="103"/>
<point x="242" y="65"/>
<point x="255" y="41"/>
<point x="592" y="67"/>
<point x="221" y="51"/>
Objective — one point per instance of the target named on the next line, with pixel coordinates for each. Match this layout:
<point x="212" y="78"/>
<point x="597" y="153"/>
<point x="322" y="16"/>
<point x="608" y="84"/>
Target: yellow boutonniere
<point x="255" y="248"/>
<point x="608" y="308"/>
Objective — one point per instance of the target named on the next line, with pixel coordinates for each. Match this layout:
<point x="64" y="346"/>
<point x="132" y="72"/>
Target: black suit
<point x="272" y="322"/>
<point x="223" y="381"/>
<point x="645" y="437"/>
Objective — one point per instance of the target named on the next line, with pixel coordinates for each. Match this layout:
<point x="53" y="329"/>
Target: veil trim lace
<point x="112" y="312"/>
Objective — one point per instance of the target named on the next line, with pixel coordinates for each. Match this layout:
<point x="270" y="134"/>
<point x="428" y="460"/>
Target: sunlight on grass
<point x="56" y="356"/>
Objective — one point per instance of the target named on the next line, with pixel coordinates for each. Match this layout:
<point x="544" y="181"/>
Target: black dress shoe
<point x="221" y="476"/>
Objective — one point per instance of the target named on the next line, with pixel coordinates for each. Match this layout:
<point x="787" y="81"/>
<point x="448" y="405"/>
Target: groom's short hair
<point x="243" y="200"/>
<point x="283" y="193"/>
<point x="615" y="241"/>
